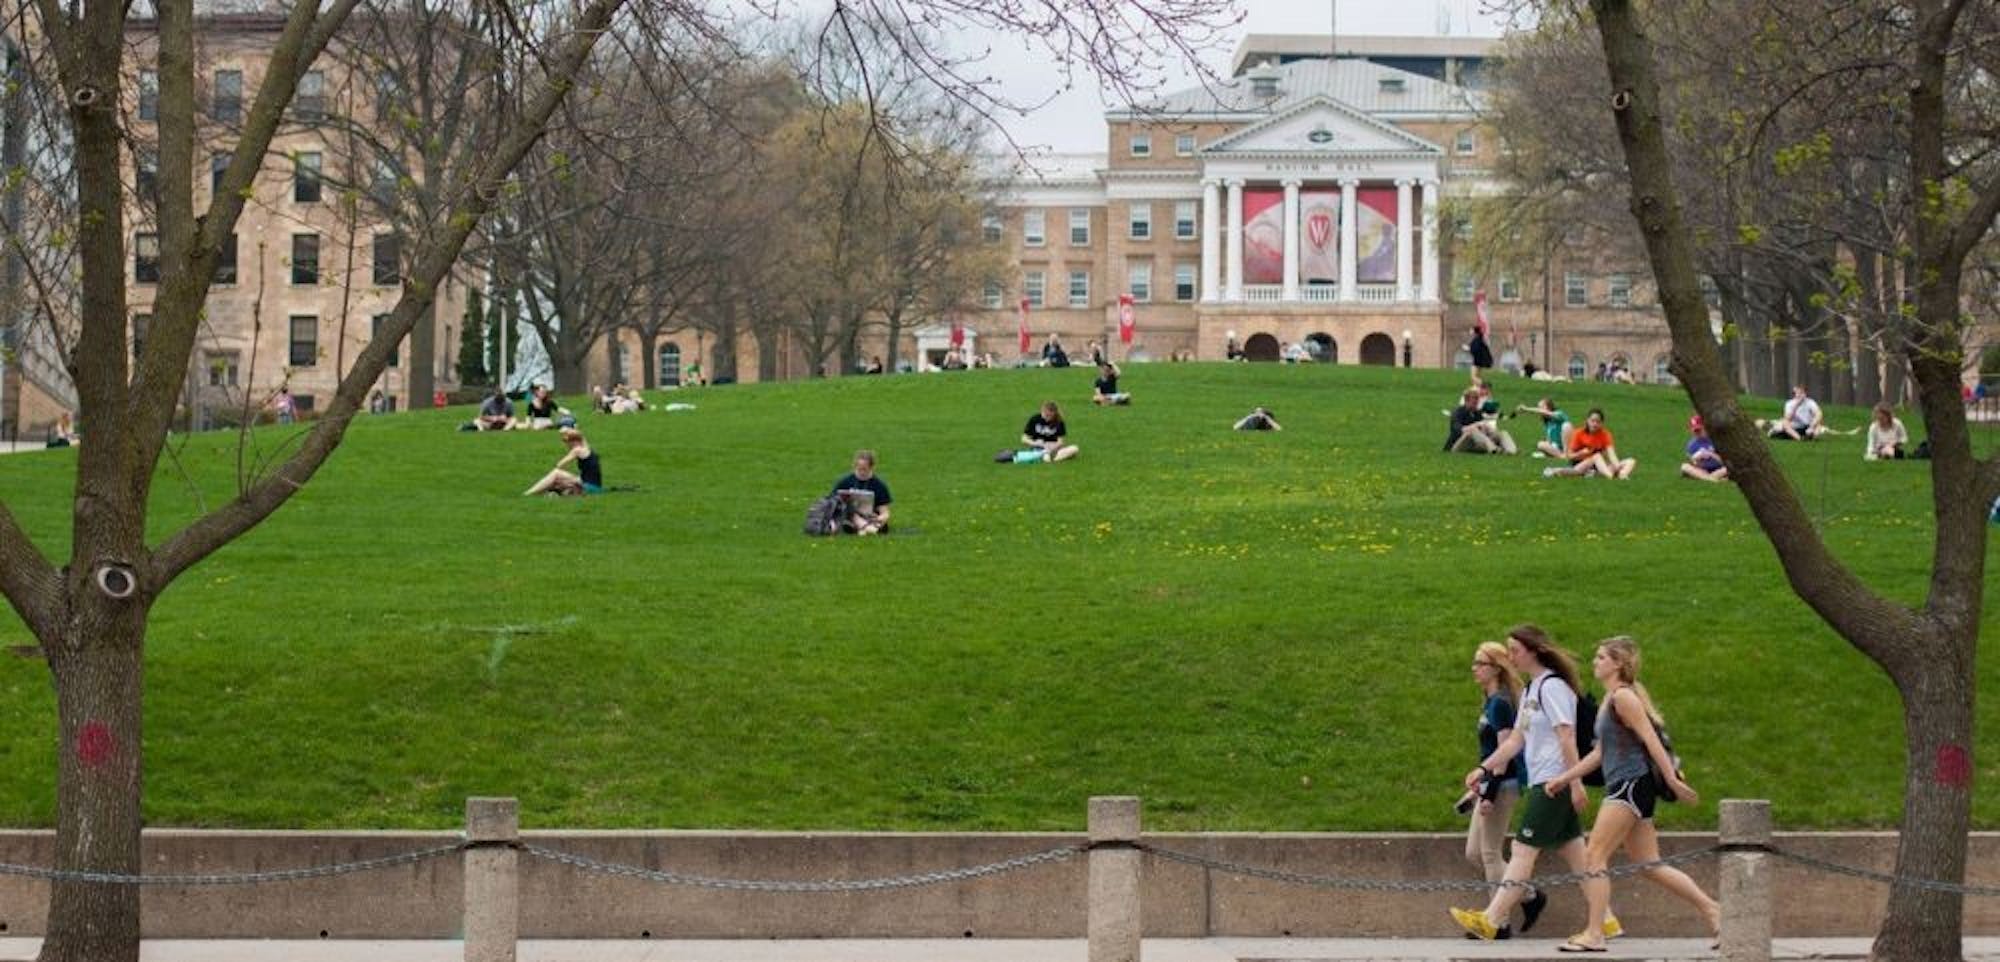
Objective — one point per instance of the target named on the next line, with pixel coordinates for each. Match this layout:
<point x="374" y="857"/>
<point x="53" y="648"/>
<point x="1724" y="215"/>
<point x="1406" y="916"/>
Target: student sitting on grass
<point x="1803" y="420"/>
<point x="1045" y="432"/>
<point x="1105" y="391"/>
<point x="589" y="477"/>
<point x="1473" y="431"/>
<point x="1259" y="419"/>
<point x="1886" y="435"/>
<point x="496" y="413"/>
<point x="1591" y="452"/>
<point x="1703" y="463"/>
<point x="875" y="520"/>
<point x="1556" y="428"/>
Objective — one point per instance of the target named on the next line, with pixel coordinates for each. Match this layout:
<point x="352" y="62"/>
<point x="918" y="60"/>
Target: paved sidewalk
<point x="972" y="950"/>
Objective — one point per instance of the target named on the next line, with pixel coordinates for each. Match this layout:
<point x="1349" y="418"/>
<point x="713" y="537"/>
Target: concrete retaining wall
<point x="1045" y="901"/>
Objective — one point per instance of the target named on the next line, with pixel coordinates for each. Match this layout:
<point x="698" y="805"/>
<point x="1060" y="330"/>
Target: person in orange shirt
<point x="1591" y="452"/>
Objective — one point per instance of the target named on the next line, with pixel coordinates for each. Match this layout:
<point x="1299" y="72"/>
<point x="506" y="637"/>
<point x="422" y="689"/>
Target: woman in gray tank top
<point x="1628" y="734"/>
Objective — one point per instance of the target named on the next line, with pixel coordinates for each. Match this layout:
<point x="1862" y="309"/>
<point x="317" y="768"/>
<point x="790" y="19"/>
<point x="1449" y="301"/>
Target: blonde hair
<point x="1624" y="652"/>
<point x="1500" y="658"/>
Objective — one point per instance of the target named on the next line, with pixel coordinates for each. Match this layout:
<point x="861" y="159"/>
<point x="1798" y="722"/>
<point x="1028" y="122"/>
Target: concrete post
<point x="1114" y="879"/>
<point x="1746" y="881"/>
<point x="492" y="919"/>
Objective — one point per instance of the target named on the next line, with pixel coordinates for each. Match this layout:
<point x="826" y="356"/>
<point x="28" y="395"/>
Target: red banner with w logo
<point x="1024" y="325"/>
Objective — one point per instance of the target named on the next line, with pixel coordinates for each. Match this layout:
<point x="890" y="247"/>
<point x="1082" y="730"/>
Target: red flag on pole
<point x="1024" y="325"/>
<point x="1125" y="319"/>
<point x="957" y="333"/>
<point x="1479" y="304"/>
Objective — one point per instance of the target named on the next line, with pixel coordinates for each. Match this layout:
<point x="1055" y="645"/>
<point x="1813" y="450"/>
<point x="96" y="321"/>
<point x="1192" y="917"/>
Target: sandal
<point x="1574" y="946"/>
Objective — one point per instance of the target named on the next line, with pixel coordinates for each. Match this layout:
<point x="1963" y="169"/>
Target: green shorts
<point x="1548" y="823"/>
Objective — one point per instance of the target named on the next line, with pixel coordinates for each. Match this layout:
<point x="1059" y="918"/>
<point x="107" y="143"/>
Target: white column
<point x="1429" y="294"/>
<point x="1211" y="239"/>
<point x="1291" y="292"/>
<point x="1234" y="262"/>
<point x="1404" y="236"/>
<point x="1348" y="238"/>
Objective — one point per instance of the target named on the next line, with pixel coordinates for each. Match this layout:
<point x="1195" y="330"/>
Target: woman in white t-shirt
<point x="1886" y="435"/>
<point x="1545" y="732"/>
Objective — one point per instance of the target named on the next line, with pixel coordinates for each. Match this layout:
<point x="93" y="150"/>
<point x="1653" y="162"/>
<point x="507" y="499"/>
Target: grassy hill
<point x="1252" y="631"/>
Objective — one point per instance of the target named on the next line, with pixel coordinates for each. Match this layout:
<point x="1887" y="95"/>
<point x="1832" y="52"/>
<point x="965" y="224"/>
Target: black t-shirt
<point x="1461" y="418"/>
<point x="1043" y="430"/>
<point x="1107" y="385"/>
<point x="873" y="484"/>
<point x="542" y="407"/>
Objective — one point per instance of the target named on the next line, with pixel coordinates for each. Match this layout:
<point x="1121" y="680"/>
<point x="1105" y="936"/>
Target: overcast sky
<point x="1074" y="122"/>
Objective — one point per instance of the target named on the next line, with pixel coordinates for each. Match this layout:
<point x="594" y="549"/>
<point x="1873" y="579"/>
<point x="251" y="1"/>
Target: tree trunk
<point x="1867" y="367"/>
<point x="97" y="668"/>
<point x="423" y="359"/>
<point x="1923" y="925"/>
<point x="767" y="354"/>
<point x="649" y="358"/>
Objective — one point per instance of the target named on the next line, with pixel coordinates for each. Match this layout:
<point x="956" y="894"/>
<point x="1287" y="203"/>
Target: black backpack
<point x="825" y="516"/>
<point x="1585" y="731"/>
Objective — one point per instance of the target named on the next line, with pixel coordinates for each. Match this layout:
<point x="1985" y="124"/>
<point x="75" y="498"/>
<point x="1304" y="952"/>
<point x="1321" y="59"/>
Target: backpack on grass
<point x="825" y="516"/>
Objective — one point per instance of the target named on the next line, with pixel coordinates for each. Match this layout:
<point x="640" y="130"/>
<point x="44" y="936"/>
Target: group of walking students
<point x="1529" y="759"/>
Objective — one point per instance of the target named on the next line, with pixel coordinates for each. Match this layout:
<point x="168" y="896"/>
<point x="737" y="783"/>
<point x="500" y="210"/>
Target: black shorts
<point x="1639" y="793"/>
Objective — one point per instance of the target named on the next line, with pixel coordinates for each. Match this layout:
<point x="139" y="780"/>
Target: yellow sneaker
<point x="1474" y="921"/>
<point x="1612" y="927"/>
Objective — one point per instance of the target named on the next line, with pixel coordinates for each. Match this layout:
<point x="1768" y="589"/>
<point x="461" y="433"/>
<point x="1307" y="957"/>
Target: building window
<point x="1465" y="144"/>
<point x="1033" y="287"/>
<point x="145" y="258"/>
<point x="382" y="183"/>
<point x="388" y="260"/>
<point x="146" y="174"/>
<point x="388" y="95"/>
<point x="1142" y="221"/>
<point x="1142" y="145"/>
<point x="991" y="297"/>
<point x="1576" y="290"/>
<point x="140" y="324"/>
<point x="1183" y="282"/>
<point x="225" y="96"/>
<point x="225" y="261"/>
<point x="990" y="227"/>
<point x="1183" y="145"/>
<point x="305" y="340"/>
<point x="305" y="177"/>
<point x="218" y="164"/>
<point x="1139" y="281"/>
<point x="1620" y="293"/>
<point x="1461" y="286"/>
<point x="1661" y="373"/>
<point x="305" y="258"/>
<point x="222" y="367"/>
<point x="149" y="95"/>
<point x="1079" y="226"/>
<point x="1710" y="293"/>
<point x="1510" y="288"/>
<point x="309" y="101"/>
<point x="1579" y="367"/>
<point x="1184" y="222"/>
<point x="1034" y="228"/>
<point x="1079" y="288"/>
<point x="396" y="353"/>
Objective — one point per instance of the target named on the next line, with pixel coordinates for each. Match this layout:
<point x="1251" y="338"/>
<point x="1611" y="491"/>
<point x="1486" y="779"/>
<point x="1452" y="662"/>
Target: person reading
<point x="866" y="497"/>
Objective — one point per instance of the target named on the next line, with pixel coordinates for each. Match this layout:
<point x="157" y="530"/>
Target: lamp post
<point x="1407" y="353"/>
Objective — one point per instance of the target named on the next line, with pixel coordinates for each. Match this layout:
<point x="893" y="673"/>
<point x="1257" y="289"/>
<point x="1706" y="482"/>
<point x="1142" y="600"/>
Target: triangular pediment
<point x="1321" y="125"/>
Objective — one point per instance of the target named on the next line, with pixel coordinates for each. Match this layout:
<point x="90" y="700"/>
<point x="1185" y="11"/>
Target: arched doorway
<point x="1323" y="348"/>
<point x="1378" y="349"/>
<point x="1261" y="347"/>
<point x="670" y="365"/>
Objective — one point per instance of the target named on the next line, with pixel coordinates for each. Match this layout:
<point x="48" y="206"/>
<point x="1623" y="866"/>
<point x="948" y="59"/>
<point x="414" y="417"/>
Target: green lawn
<point x="1251" y="631"/>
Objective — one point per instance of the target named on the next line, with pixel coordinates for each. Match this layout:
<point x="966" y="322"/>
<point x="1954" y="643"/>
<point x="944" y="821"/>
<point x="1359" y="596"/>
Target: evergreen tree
<point x="472" y="344"/>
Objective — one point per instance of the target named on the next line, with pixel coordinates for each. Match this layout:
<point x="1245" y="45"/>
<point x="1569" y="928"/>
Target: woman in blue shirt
<point x="1492" y="807"/>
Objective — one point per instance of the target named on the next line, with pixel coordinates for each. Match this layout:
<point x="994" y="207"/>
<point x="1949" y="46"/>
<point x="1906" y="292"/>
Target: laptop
<point x="859" y="500"/>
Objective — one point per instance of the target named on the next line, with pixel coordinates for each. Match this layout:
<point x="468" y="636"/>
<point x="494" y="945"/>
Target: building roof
<point x="1046" y="169"/>
<point x="1259" y="47"/>
<point x="1356" y="83"/>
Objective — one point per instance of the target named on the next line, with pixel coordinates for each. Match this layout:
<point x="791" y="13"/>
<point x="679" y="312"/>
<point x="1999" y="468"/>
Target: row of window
<point x="1576" y="289"/>
<point x="308" y="179"/>
<point x="225" y="96"/>
<point x="386" y="263"/>
<point x="1139" y="283"/>
<point x="1464" y="143"/>
<point x="1138" y="224"/>
<point x="302" y="351"/>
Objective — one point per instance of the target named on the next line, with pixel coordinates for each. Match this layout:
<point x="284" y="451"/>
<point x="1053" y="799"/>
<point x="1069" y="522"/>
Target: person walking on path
<point x="1494" y="799"/>
<point x="1629" y="736"/>
<point x="1545" y="732"/>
